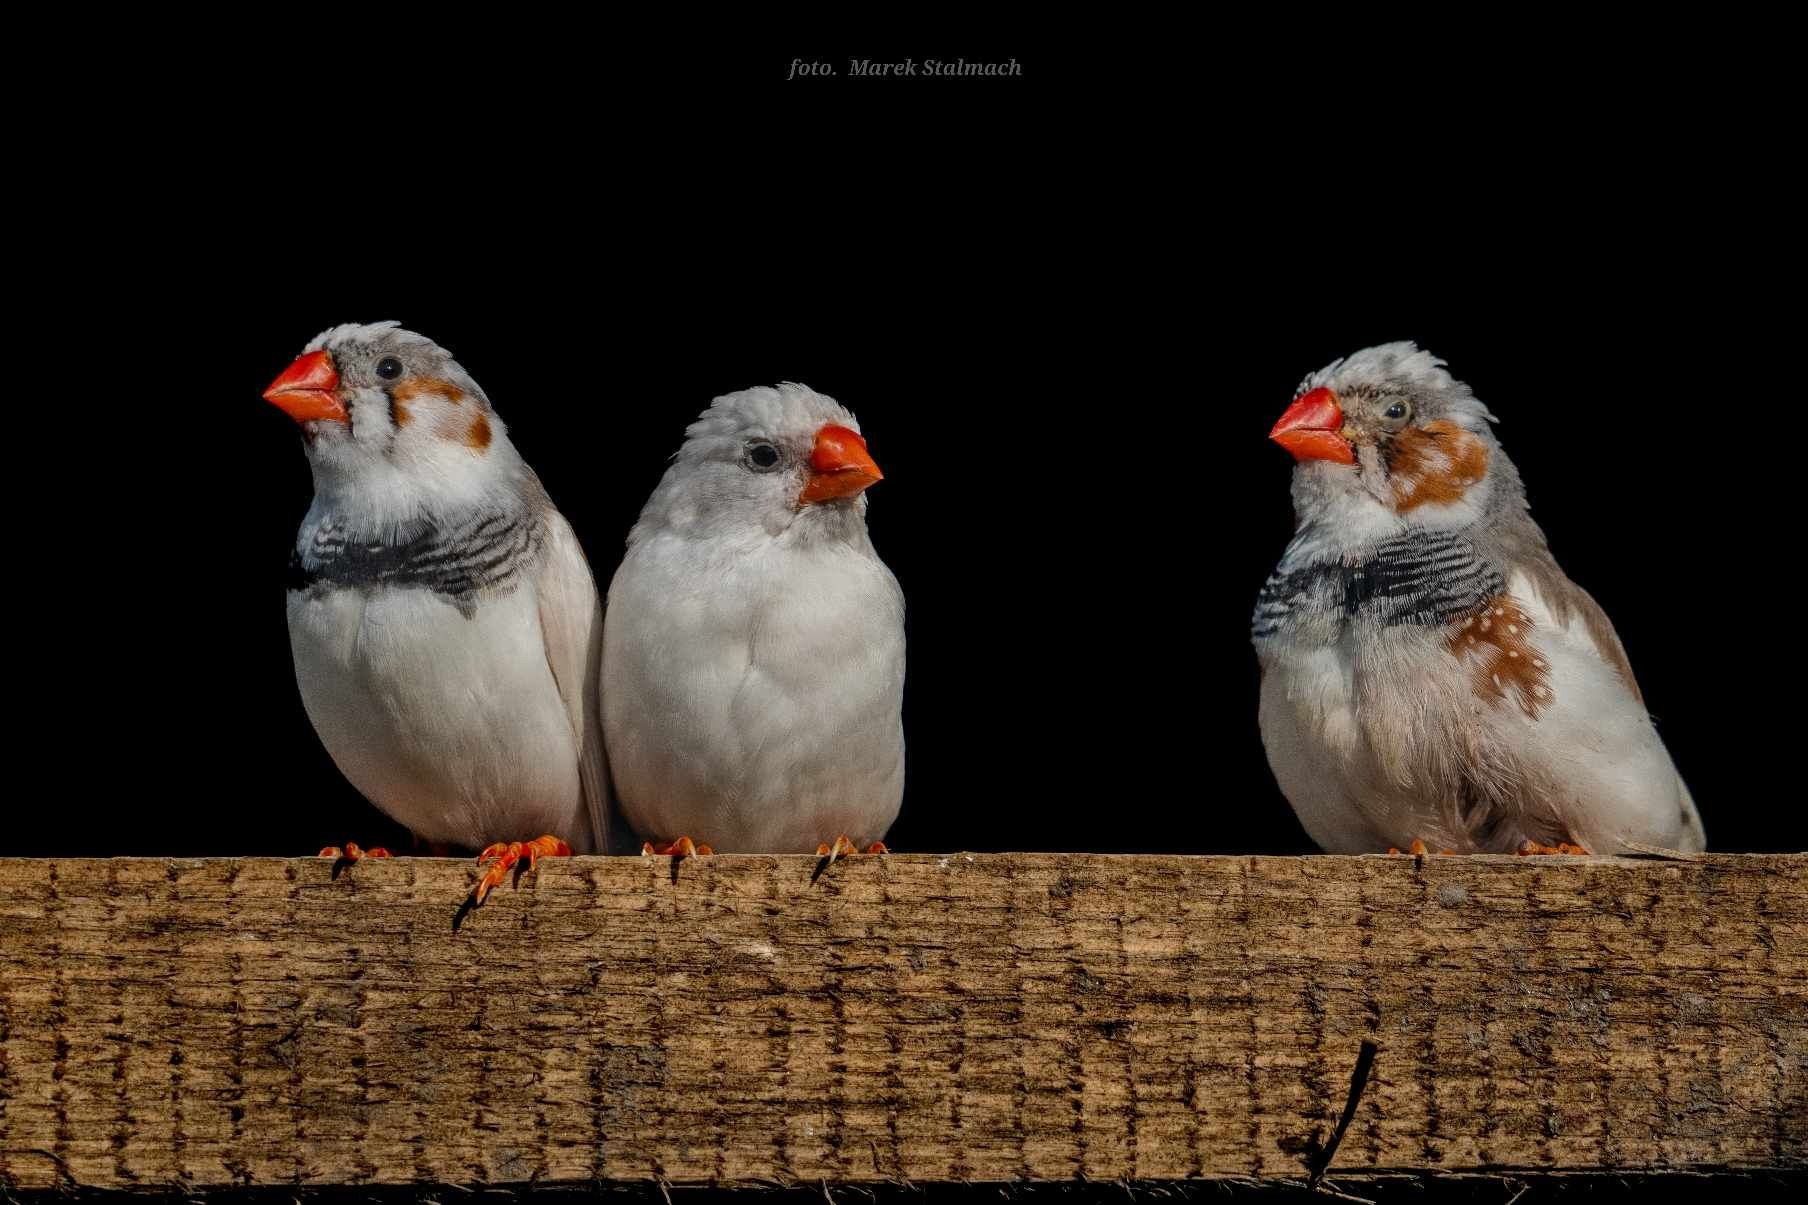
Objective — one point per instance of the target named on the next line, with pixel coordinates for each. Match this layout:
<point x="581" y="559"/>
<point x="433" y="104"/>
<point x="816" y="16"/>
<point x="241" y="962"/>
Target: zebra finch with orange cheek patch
<point x="1430" y="677"/>
<point x="445" y="627"/>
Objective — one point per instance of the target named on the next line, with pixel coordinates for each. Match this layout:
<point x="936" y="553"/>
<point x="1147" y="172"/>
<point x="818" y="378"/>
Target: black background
<point x="1066" y="314"/>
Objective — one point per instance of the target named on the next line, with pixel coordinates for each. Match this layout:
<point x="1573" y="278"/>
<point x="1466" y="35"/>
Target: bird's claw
<point x="504" y="855"/>
<point x="1531" y="848"/>
<point x="843" y="848"/>
<point x="681" y="849"/>
<point x="353" y="853"/>
<point x="1417" y="848"/>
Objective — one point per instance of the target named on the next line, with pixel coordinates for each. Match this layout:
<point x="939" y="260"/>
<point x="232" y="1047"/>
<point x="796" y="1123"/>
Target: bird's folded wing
<point x="1565" y="597"/>
<point x="1607" y="641"/>
<point x="571" y="623"/>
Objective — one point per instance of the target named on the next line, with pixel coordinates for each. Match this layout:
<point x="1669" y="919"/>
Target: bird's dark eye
<point x="761" y="456"/>
<point x="389" y="368"/>
<point x="1397" y="411"/>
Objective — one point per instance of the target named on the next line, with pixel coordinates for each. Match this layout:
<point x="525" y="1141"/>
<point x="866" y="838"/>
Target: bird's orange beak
<point x="307" y="390"/>
<point x="1312" y="429"/>
<point x="840" y="466"/>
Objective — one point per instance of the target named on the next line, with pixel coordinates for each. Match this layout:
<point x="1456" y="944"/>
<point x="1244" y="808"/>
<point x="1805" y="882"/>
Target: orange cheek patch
<point x="1435" y="463"/>
<point x="478" y="437"/>
<point x="1497" y="641"/>
<point x="415" y="387"/>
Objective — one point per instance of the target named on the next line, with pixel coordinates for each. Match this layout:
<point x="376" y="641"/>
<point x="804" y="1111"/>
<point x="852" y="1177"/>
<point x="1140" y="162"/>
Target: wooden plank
<point x="930" y="1019"/>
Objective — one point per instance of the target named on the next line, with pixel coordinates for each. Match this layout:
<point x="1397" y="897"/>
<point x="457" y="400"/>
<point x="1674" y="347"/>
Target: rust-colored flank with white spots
<point x="1506" y="664"/>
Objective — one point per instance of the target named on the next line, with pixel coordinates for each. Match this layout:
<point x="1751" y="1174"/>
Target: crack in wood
<point x="1359" y="1080"/>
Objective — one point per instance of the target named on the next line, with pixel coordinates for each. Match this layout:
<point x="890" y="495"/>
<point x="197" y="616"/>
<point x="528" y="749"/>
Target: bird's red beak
<point x="840" y="466"/>
<point x="1311" y="429"/>
<point x="307" y="390"/>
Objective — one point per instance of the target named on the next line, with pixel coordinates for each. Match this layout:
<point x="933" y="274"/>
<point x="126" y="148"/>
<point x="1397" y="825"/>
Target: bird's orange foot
<point x="843" y="848"/>
<point x="1562" y="847"/>
<point x="682" y="848"/>
<point x="1417" y="847"/>
<point x="352" y="852"/>
<point x="504" y="855"/>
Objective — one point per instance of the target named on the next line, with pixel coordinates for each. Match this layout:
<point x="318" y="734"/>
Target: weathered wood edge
<point x="1364" y="1188"/>
<point x="420" y="877"/>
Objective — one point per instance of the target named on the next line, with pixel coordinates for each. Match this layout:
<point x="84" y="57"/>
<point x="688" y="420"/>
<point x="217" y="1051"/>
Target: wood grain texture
<point x="966" y="1017"/>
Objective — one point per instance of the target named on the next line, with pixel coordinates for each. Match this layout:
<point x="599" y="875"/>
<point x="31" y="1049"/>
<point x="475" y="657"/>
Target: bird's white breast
<point x="751" y="696"/>
<point x="452" y="725"/>
<point x="1315" y="743"/>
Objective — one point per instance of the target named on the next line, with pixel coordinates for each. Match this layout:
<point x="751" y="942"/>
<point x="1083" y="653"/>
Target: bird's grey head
<point x="386" y="411"/>
<point x="781" y="460"/>
<point x="1388" y="436"/>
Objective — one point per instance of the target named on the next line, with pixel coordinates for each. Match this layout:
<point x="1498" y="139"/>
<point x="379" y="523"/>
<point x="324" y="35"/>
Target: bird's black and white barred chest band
<point x="1417" y="577"/>
<point x="486" y="552"/>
